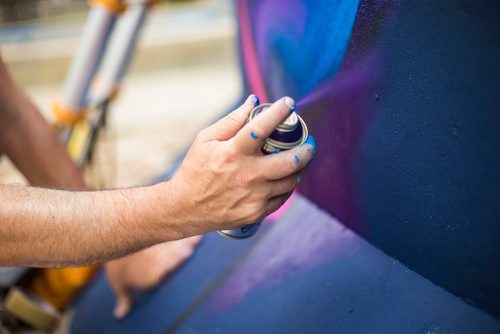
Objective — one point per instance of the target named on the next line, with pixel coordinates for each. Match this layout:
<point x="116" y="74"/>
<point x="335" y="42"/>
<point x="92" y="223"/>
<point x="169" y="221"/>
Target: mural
<point x="403" y="99"/>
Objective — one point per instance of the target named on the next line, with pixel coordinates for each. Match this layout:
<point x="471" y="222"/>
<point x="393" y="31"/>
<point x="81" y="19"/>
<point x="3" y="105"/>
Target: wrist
<point x="168" y="213"/>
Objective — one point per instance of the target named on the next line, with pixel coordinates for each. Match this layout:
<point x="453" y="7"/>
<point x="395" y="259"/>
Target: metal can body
<point x="290" y="133"/>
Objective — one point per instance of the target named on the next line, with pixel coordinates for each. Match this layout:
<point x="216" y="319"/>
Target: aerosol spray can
<point x="290" y="133"/>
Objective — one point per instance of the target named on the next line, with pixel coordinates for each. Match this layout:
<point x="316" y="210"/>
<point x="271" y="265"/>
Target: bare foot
<point x="144" y="270"/>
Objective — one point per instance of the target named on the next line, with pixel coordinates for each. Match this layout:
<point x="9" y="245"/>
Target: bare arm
<point x="31" y="144"/>
<point x="224" y="182"/>
<point x="35" y="149"/>
<point x="36" y="227"/>
<point x="45" y="227"/>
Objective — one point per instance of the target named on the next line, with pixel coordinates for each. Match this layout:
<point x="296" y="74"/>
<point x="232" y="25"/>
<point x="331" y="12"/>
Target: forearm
<point x="44" y="227"/>
<point x="30" y="142"/>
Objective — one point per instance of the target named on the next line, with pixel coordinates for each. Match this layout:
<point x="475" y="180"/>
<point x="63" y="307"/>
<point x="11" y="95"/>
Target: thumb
<point x="123" y="304"/>
<point x="228" y="126"/>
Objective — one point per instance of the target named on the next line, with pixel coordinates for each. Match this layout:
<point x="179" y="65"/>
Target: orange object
<point x="114" y="6"/>
<point x="103" y="84"/>
<point x="60" y="286"/>
<point x="66" y="116"/>
<point x="152" y="3"/>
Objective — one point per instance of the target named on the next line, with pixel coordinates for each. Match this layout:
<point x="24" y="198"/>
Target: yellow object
<point x="115" y="6"/>
<point x="31" y="310"/>
<point x="66" y="116"/>
<point x="60" y="286"/>
<point x="79" y="135"/>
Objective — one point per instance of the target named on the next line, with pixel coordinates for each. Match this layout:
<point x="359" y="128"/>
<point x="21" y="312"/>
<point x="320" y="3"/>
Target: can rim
<point x="287" y="146"/>
<point x="282" y="127"/>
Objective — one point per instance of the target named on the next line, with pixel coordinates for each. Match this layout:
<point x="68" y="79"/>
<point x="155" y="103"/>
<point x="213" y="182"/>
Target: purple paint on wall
<point x="338" y="114"/>
<point x="339" y="111"/>
<point x="289" y="248"/>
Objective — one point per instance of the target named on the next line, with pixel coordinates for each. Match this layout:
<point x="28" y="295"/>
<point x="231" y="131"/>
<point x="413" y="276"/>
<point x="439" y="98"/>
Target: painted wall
<point x="403" y="98"/>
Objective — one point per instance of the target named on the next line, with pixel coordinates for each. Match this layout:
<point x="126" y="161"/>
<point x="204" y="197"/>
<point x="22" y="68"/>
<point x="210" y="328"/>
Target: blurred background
<point x="184" y="74"/>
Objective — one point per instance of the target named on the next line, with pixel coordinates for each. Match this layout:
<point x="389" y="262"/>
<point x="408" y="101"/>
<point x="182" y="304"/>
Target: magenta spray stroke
<point x="290" y="133"/>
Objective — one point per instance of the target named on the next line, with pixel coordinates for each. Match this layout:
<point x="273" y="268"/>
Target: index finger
<point x="250" y="138"/>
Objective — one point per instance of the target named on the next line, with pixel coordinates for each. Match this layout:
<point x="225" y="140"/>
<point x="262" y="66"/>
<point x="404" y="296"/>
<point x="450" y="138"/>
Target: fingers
<point x="276" y="202"/>
<point x="279" y="165"/>
<point x="283" y="186"/>
<point x="123" y="304"/>
<point x="301" y="174"/>
<point x="228" y="126"/>
<point x="249" y="139"/>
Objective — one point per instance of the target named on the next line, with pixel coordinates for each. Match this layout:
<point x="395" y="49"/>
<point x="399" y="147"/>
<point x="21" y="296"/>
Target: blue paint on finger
<point x="311" y="141"/>
<point x="256" y="101"/>
<point x="296" y="159"/>
<point x="253" y="135"/>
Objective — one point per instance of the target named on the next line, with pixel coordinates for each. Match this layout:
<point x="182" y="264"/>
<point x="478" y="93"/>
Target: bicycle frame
<point x="97" y="71"/>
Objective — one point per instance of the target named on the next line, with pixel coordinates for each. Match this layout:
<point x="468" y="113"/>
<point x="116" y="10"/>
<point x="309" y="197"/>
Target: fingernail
<point x="311" y="141"/>
<point x="250" y="100"/>
<point x="299" y="178"/>
<point x="289" y="102"/>
<point x="256" y="100"/>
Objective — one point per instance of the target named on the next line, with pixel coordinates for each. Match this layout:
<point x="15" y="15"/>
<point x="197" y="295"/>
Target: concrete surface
<point x="304" y="273"/>
<point x="201" y="32"/>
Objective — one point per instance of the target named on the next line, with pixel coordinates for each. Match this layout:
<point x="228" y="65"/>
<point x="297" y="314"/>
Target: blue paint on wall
<point x="409" y="138"/>
<point x="300" y="43"/>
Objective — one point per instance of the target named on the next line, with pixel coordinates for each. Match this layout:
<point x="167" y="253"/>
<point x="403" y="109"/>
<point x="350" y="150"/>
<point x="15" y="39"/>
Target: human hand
<point x="226" y="182"/>
<point x="145" y="269"/>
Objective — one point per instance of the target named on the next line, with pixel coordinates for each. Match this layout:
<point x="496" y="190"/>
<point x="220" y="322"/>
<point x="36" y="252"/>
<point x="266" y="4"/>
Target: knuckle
<point x="255" y="215"/>
<point x="259" y="196"/>
<point x="200" y="136"/>
<point x="291" y="166"/>
<point x="247" y="215"/>
<point x="221" y="161"/>
<point x="233" y="118"/>
<point x="257" y="207"/>
<point x="228" y="158"/>
<point x="288" y="162"/>
<point x="257" y="132"/>
<point x="232" y="150"/>
<point x="253" y="197"/>
<point x="245" y="179"/>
